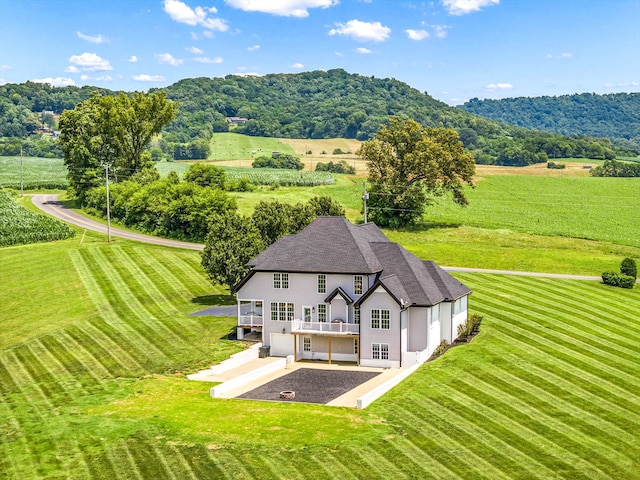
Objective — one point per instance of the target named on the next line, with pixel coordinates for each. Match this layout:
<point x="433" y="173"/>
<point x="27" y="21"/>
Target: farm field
<point x="232" y="146"/>
<point x="92" y="382"/>
<point x="37" y="173"/>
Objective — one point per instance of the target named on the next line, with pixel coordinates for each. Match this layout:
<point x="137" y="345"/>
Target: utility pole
<point x="21" y="183"/>
<point x="106" y="175"/>
<point x="365" y="197"/>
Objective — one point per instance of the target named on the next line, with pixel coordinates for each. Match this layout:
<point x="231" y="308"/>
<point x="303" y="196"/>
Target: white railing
<point x="250" y="321"/>
<point x="339" y="328"/>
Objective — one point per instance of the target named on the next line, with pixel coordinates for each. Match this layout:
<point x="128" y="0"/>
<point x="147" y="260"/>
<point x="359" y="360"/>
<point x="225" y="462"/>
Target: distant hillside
<point x="615" y="116"/>
<point x="319" y="104"/>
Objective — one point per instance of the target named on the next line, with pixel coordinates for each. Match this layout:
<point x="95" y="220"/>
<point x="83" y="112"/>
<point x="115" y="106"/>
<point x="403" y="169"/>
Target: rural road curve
<point x="50" y="204"/>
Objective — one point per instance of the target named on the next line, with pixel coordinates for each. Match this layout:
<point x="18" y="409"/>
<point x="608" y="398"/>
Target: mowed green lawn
<point x="94" y="345"/>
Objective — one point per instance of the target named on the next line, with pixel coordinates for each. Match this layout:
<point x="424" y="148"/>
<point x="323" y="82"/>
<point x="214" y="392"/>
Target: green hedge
<point x="618" y="280"/>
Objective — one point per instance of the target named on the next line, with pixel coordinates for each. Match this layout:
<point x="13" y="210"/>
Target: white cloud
<point x="92" y="38"/>
<point x="55" y="82"/>
<point x="5" y="67"/>
<point x="462" y="7"/>
<point x="194" y="50"/>
<point x="148" y="78"/>
<point x="183" y="13"/>
<point x="208" y="60"/>
<point x="104" y="78"/>
<point x="441" y="30"/>
<point x="285" y="8"/>
<point x="339" y="54"/>
<point x="133" y="59"/>
<point x="90" y="62"/>
<point x="562" y="55"/>
<point x="363" y="50"/>
<point x="207" y="34"/>
<point x="168" y="59"/>
<point x="296" y="65"/>
<point x="499" y="86"/>
<point x="253" y="48"/>
<point x="3" y="82"/>
<point x="417" y="34"/>
<point x="72" y="69"/>
<point x="362" y="31"/>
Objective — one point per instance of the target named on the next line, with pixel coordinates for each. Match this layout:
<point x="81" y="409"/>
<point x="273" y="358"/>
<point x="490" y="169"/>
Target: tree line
<point x="319" y="104"/>
<point x="613" y="116"/>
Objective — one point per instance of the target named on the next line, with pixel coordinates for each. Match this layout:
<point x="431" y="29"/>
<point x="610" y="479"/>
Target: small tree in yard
<point x="628" y="267"/>
<point x="232" y="241"/>
<point x="627" y="276"/>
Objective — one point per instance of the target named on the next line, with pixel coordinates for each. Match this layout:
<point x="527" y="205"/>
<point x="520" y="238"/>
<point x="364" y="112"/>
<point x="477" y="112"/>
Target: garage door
<point x="281" y="345"/>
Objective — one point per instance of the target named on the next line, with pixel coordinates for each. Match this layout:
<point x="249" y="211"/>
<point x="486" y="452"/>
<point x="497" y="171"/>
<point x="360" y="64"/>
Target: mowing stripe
<point x="68" y="358"/>
<point x="122" y="461"/>
<point x="199" y="462"/>
<point x="15" y="447"/>
<point x="167" y="463"/>
<point x="178" y="459"/>
<point x="68" y="381"/>
<point x="424" y="463"/>
<point x="480" y="446"/>
<point x="532" y="392"/>
<point x="518" y="434"/>
<point x="109" y="315"/>
<point x="106" y="312"/>
<point x="332" y="466"/>
<point x="129" y="262"/>
<point x="416" y="423"/>
<point x="98" y="462"/>
<point x="26" y="386"/>
<point x="562" y="433"/>
<point x="110" y="356"/>
<point x="566" y="345"/>
<point x="85" y="358"/>
<point x="128" y="305"/>
<point x="228" y="464"/>
<point x="575" y="314"/>
<point x="373" y="461"/>
<point x="145" y="460"/>
<point x="192" y="277"/>
<point x="386" y="449"/>
<point x="282" y="468"/>
<point x="255" y="465"/>
<point x="162" y="275"/>
<point x="578" y="360"/>
<point x="563" y="367"/>
<point x="41" y="376"/>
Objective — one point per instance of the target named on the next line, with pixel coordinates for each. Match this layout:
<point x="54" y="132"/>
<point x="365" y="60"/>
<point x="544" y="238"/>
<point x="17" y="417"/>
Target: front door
<point x="306" y="314"/>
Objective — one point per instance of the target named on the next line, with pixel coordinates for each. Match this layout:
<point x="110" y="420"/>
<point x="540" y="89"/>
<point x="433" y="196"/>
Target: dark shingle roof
<point x="328" y="245"/>
<point x="335" y="245"/>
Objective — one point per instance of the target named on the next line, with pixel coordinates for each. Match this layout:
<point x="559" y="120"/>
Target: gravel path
<point x="311" y="385"/>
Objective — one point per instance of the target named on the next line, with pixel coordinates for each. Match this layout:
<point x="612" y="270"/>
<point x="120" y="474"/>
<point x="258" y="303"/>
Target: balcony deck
<point x="250" y="321"/>
<point x="300" y="327"/>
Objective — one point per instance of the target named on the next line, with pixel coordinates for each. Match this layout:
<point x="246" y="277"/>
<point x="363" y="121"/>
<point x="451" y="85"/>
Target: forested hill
<point x="615" y="116"/>
<point x="318" y="104"/>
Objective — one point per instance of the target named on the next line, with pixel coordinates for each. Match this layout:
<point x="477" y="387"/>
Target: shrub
<point x="440" y="349"/>
<point x="279" y="160"/>
<point x="618" y="280"/>
<point x="468" y="328"/>
<point x="338" y="151"/>
<point x="628" y="267"/>
<point x="337" y="167"/>
<point x="555" y="166"/>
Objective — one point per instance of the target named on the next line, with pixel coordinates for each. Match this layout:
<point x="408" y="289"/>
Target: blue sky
<point x="452" y="49"/>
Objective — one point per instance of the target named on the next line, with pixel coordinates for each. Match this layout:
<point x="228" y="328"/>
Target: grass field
<point x="37" y="173"/>
<point x="92" y="382"/>
<point x="232" y="146"/>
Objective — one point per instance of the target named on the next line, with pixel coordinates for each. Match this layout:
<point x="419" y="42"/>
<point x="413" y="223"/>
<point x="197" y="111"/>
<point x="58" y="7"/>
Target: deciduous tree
<point x="409" y="165"/>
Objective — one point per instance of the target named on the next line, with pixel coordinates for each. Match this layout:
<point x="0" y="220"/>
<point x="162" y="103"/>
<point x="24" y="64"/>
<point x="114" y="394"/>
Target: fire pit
<point x="288" y="395"/>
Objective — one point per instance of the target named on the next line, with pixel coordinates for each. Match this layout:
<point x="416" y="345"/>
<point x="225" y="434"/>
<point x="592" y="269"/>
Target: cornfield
<point x="37" y="173"/>
<point x="269" y="176"/>
<point x="20" y="226"/>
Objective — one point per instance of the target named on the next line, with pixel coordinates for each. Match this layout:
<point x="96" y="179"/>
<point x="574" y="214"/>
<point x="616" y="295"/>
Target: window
<point x="460" y="305"/>
<point x="356" y="315"/>
<point x="322" y="312"/>
<point x="280" y="280"/>
<point x="380" y="351"/>
<point x="357" y="284"/>
<point x="306" y="344"/>
<point x="282" y="311"/>
<point x="322" y="283"/>
<point x="380" y="319"/>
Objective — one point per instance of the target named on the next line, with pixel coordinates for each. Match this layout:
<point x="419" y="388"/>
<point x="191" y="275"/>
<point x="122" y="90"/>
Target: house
<point x="344" y="292"/>
<point x="237" y="120"/>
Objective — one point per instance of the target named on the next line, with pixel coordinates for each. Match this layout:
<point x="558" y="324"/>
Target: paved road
<point x="50" y="204"/>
